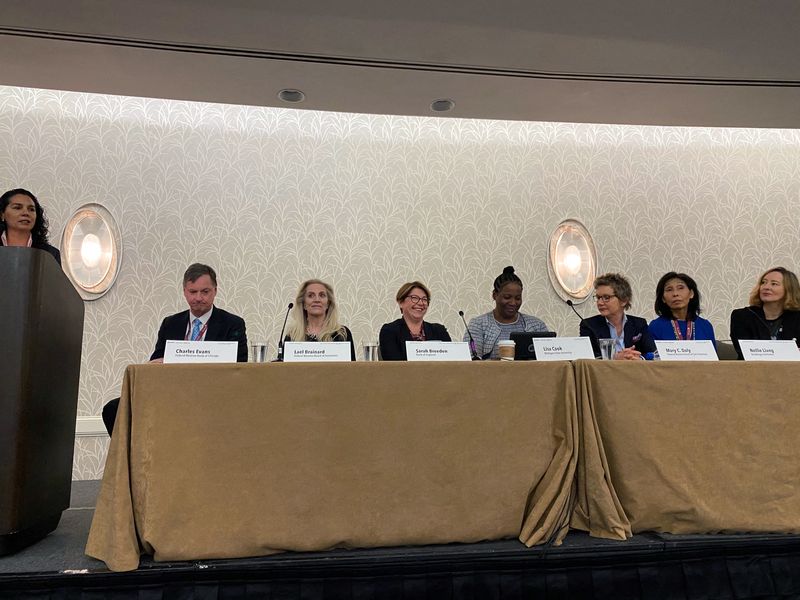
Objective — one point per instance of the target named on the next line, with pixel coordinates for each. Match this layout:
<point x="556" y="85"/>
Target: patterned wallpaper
<point x="274" y="196"/>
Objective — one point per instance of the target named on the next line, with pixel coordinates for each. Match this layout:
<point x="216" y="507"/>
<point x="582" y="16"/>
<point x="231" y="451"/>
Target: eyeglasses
<point x="418" y="299"/>
<point x="603" y="298"/>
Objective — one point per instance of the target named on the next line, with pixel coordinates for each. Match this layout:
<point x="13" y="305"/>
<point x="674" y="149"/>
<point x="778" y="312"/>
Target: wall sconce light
<point x="572" y="261"/>
<point x="91" y="250"/>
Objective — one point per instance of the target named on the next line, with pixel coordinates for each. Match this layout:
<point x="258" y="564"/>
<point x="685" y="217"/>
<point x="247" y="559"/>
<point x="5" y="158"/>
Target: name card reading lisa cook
<point x="562" y="348"/>
<point x="316" y="352"/>
<point x="770" y="350"/>
<point x="180" y="351"/>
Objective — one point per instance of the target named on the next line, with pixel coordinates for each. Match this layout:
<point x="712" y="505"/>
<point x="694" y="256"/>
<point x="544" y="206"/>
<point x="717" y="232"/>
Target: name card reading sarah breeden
<point x="562" y="348"/>
<point x="686" y="350"/>
<point x="316" y="352"/>
<point x="769" y="349"/>
<point x="180" y="351"/>
<point x="442" y="351"/>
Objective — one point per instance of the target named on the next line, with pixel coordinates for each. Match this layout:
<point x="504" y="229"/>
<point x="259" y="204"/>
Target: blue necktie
<point x="196" y="330"/>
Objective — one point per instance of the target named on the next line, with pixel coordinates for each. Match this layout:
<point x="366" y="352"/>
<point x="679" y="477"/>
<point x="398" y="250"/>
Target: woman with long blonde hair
<point x="315" y="316"/>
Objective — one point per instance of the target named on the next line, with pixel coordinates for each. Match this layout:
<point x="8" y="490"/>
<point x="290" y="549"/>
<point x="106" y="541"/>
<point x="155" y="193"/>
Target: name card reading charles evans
<point x="444" y="351"/>
<point x="316" y="352"/>
<point x="769" y="349"/>
<point x="686" y="350"/>
<point x="562" y="348"/>
<point x="180" y="351"/>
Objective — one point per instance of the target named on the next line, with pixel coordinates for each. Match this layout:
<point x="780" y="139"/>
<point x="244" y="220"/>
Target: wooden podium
<point x="41" y="319"/>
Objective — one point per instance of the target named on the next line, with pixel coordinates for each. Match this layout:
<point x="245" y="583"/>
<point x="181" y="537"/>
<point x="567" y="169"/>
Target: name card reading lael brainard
<point x="769" y="349"/>
<point x="442" y="351"/>
<point x="180" y="351"/>
<point x="316" y="352"/>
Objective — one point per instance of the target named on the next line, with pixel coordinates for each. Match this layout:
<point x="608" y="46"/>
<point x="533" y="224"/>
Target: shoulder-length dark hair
<point x="661" y="307"/>
<point x="40" y="232"/>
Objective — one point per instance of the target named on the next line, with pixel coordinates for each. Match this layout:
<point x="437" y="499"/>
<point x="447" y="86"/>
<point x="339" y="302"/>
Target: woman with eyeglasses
<point x="678" y="309"/>
<point x="413" y="299"/>
<point x="632" y="339"/>
<point x="488" y="329"/>
<point x="315" y="316"/>
<point x="774" y="311"/>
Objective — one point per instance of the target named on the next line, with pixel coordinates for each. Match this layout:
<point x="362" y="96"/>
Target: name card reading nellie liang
<point x="562" y="348"/>
<point x="770" y="350"/>
<point x="316" y="352"/>
<point x="686" y="350"/>
<point x="180" y="351"/>
<point x="441" y="351"/>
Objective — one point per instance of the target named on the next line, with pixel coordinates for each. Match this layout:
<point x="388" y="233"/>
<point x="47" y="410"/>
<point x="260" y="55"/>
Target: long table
<point x="243" y="460"/>
<point x="219" y="461"/>
<point x="687" y="447"/>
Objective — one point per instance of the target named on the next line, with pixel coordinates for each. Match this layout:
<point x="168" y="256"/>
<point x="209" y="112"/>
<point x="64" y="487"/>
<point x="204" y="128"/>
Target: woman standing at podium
<point x="413" y="299"/>
<point x="774" y="311"/>
<point x="315" y="317"/>
<point x="22" y="222"/>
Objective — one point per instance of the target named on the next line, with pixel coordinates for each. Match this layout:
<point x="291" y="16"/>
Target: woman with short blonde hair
<point x="413" y="299"/>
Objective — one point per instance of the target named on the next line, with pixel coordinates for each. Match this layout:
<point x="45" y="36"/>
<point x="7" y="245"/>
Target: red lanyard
<point x="677" y="330"/>
<point x="200" y="334"/>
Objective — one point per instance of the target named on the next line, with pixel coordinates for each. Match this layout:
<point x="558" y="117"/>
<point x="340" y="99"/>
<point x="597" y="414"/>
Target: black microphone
<point x="592" y="337"/>
<point x="473" y="350"/>
<point x="283" y="329"/>
<point x="572" y="306"/>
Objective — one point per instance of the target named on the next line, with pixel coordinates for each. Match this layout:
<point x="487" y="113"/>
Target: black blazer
<point x="635" y="333"/>
<point x="222" y="327"/>
<point x="394" y="335"/>
<point x="749" y="323"/>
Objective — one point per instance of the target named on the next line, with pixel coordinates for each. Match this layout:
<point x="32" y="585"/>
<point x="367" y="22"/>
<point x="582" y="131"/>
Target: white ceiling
<point x="713" y="63"/>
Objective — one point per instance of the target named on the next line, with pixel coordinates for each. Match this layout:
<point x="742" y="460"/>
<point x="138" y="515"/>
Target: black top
<point x="394" y="335"/>
<point x="337" y="337"/>
<point x="749" y="323"/>
<point x="222" y="327"/>
<point x="47" y="248"/>
<point x="635" y="334"/>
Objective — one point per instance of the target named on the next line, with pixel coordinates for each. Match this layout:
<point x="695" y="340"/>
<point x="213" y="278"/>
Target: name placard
<point x="686" y="350"/>
<point x="180" y="351"/>
<point x="316" y="352"/>
<point x="444" y="351"/>
<point x="769" y="349"/>
<point x="562" y="348"/>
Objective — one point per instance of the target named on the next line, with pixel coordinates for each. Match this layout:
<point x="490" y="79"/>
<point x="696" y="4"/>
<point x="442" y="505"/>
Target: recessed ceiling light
<point x="293" y="96"/>
<point x="442" y="105"/>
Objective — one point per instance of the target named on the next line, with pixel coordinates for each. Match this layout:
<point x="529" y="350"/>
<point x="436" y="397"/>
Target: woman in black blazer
<point x="413" y="299"/>
<point x="774" y="311"/>
<point x="22" y="222"/>
<point x="613" y="295"/>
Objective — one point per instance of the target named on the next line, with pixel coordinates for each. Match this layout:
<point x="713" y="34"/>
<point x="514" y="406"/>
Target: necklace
<point x="677" y="330"/>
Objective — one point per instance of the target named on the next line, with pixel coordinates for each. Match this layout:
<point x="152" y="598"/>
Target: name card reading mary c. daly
<point x="769" y="349"/>
<point x="180" y="351"/>
<point x="316" y="352"/>
<point x="686" y="350"/>
<point x="444" y="351"/>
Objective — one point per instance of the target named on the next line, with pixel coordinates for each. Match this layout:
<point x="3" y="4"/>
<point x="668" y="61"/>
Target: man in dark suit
<point x="202" y="322"/>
